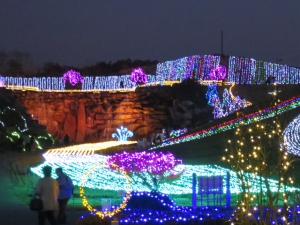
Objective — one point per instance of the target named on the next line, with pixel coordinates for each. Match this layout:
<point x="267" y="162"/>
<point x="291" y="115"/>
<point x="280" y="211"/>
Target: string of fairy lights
<point x="200" y="67"/>
<point x="248" y="157"/>
<point x="20" y="129"/>
<point x="272" y="111"/>
<point x="229" y="103"/>
<point x="291" y="139"/>
<point x="104" y="213"/>
<point x="6" y="111"/>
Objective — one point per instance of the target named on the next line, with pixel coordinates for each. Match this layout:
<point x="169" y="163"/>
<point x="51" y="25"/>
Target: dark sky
<point x="82" y="32"/>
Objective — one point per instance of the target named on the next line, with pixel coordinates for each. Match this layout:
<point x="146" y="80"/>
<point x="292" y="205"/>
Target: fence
<point x="211" y="190"/>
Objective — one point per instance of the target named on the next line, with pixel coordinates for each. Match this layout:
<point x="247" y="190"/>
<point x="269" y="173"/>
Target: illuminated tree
<point x="150" y="168"/>
<point x="217" y="73"/>
<point x="258" y="149"/>
<point x="73" y="77"/>
<point x="138" y="76"/>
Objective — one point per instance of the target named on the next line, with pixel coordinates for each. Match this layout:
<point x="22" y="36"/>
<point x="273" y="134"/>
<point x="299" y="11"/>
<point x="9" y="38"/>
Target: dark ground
<point x="15" y="212"/>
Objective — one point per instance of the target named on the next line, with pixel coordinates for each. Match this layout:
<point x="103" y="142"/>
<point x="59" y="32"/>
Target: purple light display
<point x="2" y="82"/>
<point x="217" y="73"/>
<point x="138" y="76"/>
<point x="73" y="77"/>
<point x="159" y="209"/>
<point x="152" y="162"/>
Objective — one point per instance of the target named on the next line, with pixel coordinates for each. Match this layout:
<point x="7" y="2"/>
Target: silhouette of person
<point x="47" y="188"/>
<point x="66" y="140"/>
<point x="65" y="193"/>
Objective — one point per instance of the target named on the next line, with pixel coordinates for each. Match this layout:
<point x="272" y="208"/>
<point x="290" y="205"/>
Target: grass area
<point x="24" y="184"/>
<point x="203" y="151"/>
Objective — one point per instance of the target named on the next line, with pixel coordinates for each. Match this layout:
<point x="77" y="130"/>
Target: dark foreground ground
<point x="15" y="212"/>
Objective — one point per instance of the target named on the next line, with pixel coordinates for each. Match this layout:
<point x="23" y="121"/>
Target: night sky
<point x="79" y="33"/>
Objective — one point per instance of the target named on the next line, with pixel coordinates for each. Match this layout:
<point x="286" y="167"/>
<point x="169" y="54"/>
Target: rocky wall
<point x="87" y="116"/>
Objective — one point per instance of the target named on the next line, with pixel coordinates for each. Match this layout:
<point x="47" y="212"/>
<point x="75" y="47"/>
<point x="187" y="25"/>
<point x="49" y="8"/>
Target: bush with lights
<point x="73" y="79"/>
<point x="149" y="168"/>
<point x="257" y="149"/>
<point x="138" y="76"/>
<point x="15" y="123"/>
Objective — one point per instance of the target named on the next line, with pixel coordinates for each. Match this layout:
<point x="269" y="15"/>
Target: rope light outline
<point x="105" y="213"/>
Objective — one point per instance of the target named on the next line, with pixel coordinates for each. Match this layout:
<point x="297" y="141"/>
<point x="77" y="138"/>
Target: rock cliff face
<point x="91" y="117"/>
<point x="95" y="116"/>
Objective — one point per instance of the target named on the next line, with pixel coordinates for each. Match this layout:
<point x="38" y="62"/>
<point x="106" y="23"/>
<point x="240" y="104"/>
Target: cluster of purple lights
<point x="73" y="77"/>
<point x="152" y="162"/>
<point x="218" y="73"/>
<point x="138" y="76"/>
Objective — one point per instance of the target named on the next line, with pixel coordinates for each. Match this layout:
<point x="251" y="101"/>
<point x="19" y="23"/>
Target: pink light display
<point x="73" y="77"/>
<point x="138" y="76"/>
<point x="218" y="73"/>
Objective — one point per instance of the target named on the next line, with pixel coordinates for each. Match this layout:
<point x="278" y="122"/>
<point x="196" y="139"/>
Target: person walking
<point x="65" y="193"/>
<point x="47" y="189"/>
